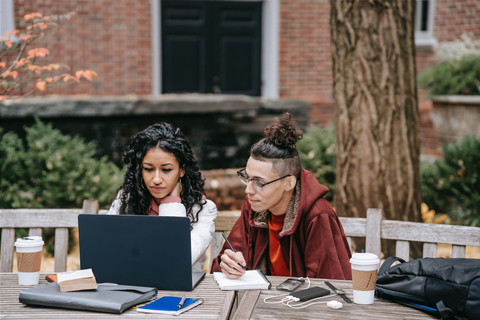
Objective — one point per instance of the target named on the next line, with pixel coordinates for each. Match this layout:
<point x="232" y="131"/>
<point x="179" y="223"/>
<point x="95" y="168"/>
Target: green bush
<point x="454" y="77"/>
<point x="451" y="185"/>
<point x="317" y="151"/>
<point x="52" y="170"/>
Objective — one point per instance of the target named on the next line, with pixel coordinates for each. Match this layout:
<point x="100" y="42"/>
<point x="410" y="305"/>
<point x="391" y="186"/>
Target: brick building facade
<point x="116" y="38"/>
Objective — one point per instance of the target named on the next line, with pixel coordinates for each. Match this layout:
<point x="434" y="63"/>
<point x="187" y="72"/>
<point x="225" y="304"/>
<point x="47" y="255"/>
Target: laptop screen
<point x="147" y="251"/>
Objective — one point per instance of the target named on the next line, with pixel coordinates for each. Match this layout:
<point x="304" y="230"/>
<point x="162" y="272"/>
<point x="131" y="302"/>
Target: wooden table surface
<point x="252" y="306"/>
<point x="216" y="303"/>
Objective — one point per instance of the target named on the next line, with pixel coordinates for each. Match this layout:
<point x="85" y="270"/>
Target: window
<point x="7" y="23"/>
<point x="270" y="45"/>
<point x="424" y="18"/>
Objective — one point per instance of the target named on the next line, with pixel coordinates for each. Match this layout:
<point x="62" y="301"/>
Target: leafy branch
<point x="20" y="58"/>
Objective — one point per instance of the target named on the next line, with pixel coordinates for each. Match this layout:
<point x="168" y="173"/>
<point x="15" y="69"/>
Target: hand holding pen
<point x="232" y="262"/>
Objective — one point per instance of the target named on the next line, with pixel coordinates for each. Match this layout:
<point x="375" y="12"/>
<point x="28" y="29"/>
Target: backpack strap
<point x="446" y="313"/>
<point x="387" y="264"/>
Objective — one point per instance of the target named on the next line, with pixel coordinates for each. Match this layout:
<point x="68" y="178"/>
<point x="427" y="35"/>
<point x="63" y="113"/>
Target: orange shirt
<point x="278" y="265"/>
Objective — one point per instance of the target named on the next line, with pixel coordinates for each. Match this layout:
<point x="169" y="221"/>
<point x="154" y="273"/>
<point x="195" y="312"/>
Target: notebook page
<point x="252" y="279"/>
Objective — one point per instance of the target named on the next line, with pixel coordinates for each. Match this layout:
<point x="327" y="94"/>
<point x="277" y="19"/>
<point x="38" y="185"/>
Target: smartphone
<point x="310" y="293"/>
<point x="290" y="284"/>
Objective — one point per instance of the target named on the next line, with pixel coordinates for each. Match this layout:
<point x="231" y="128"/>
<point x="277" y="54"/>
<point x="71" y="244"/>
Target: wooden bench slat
<point x="35" y="232"/>
<point x="354" y="227"/>
<point x="372" y="241"/>
<point x="8" y="239"/>
<point x="434" y="233"/>
<point x="402" y="250"/>
<point x="458" y="251"/>
<point x="39" y="218"/>
<point x="61" y="249"/>
<point x="429" y="250"/>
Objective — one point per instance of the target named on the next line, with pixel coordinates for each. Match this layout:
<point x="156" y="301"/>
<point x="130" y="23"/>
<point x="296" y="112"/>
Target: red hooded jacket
<point x="312" y="239"/>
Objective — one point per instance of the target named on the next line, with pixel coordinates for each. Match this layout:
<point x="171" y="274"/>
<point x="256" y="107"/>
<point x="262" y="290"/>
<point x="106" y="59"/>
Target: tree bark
<point x="376" y="109"/>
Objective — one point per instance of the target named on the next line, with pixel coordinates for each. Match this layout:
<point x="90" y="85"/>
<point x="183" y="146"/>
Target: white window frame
<point x="425" y="39"/>
<point x="270" y="50"/>
<point x="7" y="20"/>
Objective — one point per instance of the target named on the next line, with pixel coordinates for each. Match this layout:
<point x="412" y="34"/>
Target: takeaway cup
<point x="364" y="277"/>
<point x="29" y="259"/>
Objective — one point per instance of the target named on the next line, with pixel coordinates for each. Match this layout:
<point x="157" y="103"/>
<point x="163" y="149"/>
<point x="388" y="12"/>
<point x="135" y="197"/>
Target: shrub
<point x="453" y="77"/>
<point x="317" y="151"/>
<point x="451" y="185"/>
<point x="53" y="170"/>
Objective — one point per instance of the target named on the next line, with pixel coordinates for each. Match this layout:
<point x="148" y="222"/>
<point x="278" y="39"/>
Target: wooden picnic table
<point x="216" y="303"/>
<point x="253" y="306"/>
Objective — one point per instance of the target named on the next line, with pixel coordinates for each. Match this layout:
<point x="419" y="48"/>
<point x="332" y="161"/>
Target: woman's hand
<point x="232" y="263"/>
<point x="177" y="190"/>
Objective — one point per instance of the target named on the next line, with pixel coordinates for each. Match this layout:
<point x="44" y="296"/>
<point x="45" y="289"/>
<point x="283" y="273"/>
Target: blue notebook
<point x="168" y="305"/>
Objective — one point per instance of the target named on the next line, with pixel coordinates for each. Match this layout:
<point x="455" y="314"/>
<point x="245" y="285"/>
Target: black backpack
<point x="448" y="288"/>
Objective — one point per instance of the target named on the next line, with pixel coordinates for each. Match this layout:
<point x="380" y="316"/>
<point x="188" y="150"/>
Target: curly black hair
<point x="136" y="198"/>
<point x="279" y="146"/>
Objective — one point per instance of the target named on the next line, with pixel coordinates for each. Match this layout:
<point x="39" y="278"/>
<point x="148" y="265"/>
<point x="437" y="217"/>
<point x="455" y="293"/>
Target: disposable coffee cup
<point x="29" y="259"/>
<point x="364" y="277"/>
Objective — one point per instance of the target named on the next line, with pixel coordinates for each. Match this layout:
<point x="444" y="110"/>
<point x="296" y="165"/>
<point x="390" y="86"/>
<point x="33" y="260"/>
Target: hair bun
<point x="282" y="132"/>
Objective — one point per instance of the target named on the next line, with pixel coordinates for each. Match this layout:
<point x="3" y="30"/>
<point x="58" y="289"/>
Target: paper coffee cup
<point x="29" y="259"/>
<point x="364" y="277"/>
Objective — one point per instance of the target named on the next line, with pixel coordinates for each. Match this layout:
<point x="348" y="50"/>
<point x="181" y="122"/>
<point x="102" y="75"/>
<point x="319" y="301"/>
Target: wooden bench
<point x="353" y="227"/>
<point x="430" y="235"/>
<point x="35" y="220"/>
<point x="374" y="228"/>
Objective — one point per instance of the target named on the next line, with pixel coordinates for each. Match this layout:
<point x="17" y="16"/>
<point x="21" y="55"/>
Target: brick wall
<point x="112" y="37"/>
<point x="305" y="59"/>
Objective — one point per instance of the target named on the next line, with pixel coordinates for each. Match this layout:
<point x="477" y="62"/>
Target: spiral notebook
<point x="251" y="280"/>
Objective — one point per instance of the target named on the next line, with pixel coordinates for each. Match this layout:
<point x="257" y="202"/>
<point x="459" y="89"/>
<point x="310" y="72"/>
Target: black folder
<point x="106" y="298"/>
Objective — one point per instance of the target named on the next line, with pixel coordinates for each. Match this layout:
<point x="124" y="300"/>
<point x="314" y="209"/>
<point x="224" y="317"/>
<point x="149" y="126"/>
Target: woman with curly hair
<point x="286" y="228"/>
<point x="163" y="178"/>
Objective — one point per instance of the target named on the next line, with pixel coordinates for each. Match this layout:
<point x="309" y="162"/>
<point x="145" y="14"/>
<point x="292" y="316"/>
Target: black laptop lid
<point x="147" y="251"/>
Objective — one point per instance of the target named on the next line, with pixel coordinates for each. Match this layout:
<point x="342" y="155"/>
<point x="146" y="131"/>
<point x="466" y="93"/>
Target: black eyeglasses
<point x="257" y="184"/>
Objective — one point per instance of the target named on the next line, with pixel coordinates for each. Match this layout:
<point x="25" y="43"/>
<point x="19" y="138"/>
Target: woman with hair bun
<point x="163" y="178"/>
<point x="286" y="228"/>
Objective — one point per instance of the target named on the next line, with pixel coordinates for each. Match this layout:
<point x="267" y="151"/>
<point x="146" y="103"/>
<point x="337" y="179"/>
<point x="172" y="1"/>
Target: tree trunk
<point x="376" y="110"/>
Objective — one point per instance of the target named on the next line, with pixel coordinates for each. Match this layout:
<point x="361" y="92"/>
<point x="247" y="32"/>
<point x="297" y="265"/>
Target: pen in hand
<point x="180" y="304"/>
<point x="228" y="242"/>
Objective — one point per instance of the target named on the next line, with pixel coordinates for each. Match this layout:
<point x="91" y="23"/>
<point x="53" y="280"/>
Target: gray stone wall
<point x="455" y="117"/>
<point x="221" y="128"/>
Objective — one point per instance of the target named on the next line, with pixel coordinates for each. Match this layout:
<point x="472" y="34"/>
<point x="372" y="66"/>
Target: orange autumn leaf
<point x="41" y="85"/>
<point x="89" y="74"/>
<point x="25" y="37"/>
<point x="2" y="64"/>
<point x="31" y="16"/>
<point x="13" y="74"/>
<point x="39" y="52"/>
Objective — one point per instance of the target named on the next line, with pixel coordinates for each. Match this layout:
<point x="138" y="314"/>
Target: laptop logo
<point x="135" y="252"/>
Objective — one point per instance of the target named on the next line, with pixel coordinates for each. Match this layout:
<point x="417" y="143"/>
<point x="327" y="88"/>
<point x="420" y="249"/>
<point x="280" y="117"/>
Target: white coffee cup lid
<point x="364" y="259"/>
<point x="29" y="242"/>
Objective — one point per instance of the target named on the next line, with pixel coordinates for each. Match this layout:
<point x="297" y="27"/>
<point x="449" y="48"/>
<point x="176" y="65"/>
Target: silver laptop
<point x="146" y="251"/>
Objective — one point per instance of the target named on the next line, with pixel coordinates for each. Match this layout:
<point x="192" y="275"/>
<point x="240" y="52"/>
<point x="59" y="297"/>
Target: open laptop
<point x="146" y="251"/>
